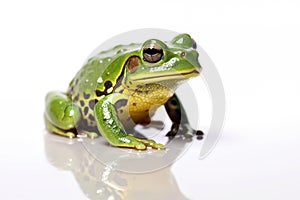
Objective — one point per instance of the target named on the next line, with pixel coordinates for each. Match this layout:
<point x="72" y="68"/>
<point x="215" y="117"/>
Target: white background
<point x="254" y="44"/>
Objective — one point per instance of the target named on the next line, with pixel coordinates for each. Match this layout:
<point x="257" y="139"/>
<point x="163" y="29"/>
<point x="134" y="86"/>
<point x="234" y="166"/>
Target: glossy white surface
<point x="255" y="46"/>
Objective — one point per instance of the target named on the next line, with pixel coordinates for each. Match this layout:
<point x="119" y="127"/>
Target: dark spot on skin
<point x="92" y="103"/>
<point x="86" y="96"/>
<point x="121" y="91"/>
<point x="130" y="82"/>
<point x="76" y="98"/>
<point x="134" y="104"/>
<point x="128" y="119"/>
<point x="120" y="103"/>
<point x="76" y="81"/>
<point x="99" y="93"/>
<point x="84" y="123"/>
<point x="140" y="92"/>
<point x="72" y="88"/>
<point x="81" y="103"/>
<point x="121" y="111"/>
<point x="91" y="117"/>
<point x="173" y="102"/>
<point x="86" y="110"/>
<point x="108" y="84"/>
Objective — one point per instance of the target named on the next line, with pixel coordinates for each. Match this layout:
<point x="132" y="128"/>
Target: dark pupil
<point x="152" y="55"/>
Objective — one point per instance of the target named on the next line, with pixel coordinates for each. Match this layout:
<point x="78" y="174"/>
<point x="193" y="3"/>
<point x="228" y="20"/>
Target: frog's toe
<point x="140" y="146"/>
<point x="70" y="134"/>
<point x="91" y="135"/>
<point x="158" y="146"/>
<point x="199" y="134"/>
<point x="152" y="143"/>
<point x="130" y="141"/>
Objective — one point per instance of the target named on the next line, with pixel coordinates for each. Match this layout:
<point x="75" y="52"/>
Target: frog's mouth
<point x="171" y="76"/>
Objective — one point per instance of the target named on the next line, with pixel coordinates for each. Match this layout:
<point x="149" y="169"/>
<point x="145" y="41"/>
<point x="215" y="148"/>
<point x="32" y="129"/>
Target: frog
<point x="118" y="88"/>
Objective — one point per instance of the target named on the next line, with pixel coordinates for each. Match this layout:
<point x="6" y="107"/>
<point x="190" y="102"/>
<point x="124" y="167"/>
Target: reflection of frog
<point x="103" y="182"/>
<point x="123" y="85"/>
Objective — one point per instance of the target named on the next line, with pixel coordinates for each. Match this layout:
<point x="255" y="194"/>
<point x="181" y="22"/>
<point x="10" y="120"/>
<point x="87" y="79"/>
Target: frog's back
<point x="82" y="89"/>
<point x="86" y="79"/>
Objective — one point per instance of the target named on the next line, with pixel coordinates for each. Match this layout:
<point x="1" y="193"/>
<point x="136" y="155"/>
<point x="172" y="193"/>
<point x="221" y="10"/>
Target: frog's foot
<point x="186" y="130"/>
<point x="89" y="134"/>
<point x="199" y="134"/>
<point x="151" y="143"/>
<point x="53" y="129"/>
<point x="174" y="130"/>
<point x="61" y="114"/>
<point x="130" y="141"/>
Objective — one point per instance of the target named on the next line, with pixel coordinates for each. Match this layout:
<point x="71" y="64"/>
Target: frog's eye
<point x="152" y="53"/>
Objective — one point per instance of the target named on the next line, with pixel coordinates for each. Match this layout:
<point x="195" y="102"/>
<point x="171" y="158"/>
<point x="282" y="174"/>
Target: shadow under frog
<point x="99" y="181"/>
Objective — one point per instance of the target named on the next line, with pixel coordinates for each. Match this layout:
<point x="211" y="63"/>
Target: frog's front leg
<point x="111" y="128"/>
<point x="61" y="115"/>
<point x="179" y="118"/>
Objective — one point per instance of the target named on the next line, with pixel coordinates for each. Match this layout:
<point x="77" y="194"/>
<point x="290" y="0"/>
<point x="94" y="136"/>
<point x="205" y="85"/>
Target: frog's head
<point x="163" y="63"/>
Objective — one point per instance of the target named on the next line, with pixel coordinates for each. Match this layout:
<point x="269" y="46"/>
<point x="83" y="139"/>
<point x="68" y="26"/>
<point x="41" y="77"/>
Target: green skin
<point x="119" y="88"/>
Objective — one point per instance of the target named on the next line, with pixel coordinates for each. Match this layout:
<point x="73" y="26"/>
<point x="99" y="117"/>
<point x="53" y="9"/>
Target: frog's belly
<point x="144" y="102"/>
<point x="130" y="120"/>
<point x="143" y="116"/>
<point x="142" y="111"/>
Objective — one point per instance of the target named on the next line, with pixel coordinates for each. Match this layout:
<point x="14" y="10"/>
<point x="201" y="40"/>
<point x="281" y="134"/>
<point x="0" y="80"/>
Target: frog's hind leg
<point x="61" y="114"/>
<point x="179" y="118"/>
<point x="53" y="129"/>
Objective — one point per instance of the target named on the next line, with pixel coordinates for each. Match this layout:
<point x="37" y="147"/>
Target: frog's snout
<point x="196" y="71"/>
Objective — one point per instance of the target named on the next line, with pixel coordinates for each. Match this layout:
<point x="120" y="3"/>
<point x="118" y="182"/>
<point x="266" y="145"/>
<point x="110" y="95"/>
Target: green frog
<point x="123" y="86"/>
